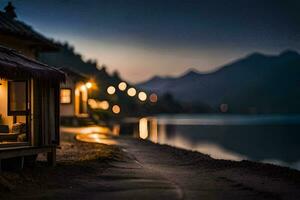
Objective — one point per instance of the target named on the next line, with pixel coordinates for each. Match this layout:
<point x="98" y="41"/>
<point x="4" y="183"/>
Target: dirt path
<point x="138" y="169"/>
<point x="161" y="172"/>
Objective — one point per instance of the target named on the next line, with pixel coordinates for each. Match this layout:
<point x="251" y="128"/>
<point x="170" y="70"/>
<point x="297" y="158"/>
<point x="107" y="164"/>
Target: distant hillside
<point x="67" y="57"/>
<point x="255" y="84"/>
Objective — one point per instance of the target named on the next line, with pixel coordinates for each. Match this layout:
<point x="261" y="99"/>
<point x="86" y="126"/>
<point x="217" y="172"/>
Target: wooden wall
<point x="46" y="113"/>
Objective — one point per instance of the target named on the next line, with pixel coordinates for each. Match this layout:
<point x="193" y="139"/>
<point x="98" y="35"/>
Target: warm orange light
<point x="116" y="109"/>
<point x="122" y="86"/>
<point x="83" y="88"/>
<point x="142" y="96"/>
<point x="96" y="138"/>
<point x="93" y="103"/>
<point x="88" y="85"/>
<point x="77" y="92"/>
<point x="65" y="96"/>
<point x="143" y="128"/>
<point x="85" y="130"/>
<point x="153" y="98"/>
<point x="131" y="92"/>
<point x="104" y="105"/>
<point x="111" y="90"/>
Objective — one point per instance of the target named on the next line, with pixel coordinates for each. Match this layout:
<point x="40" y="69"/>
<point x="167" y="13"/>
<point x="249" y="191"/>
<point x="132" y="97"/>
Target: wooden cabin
<point x="29" y="109"/>
<point x="29" y="92"/>
<point x="17" y="35"/>
<point x="74" y="94"/>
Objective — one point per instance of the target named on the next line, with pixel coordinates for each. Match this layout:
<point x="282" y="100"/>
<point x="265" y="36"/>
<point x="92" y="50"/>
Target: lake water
<point x="266" y="138"/>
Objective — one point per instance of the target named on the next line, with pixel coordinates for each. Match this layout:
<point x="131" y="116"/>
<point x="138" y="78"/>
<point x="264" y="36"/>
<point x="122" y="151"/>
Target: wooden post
<point x="51" y="157"/>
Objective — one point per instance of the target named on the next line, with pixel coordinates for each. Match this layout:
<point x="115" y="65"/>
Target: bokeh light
<point x="224" y="107"/>
<point x="142" y="96"/>
<point x="131" y="92"/>
<point x="122" y="86"/>
<point x="95" y="104"/>
<point x="153" y="98"/>
<point x="88" y="85"/>
<point x="104" y="105"/>
<point x="111" y="90"/>
<point x="116" y="109"/>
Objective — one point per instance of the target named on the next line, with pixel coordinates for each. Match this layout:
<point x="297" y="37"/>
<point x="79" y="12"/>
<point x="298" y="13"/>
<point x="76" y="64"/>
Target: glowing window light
<point x="142" y="96"/>
<point x="131" y="92"/>
<point x="77" y="92"/>
<point x="122" y="86"/>
<point x="65" y="96"/>
<point x="111" y="90"/>
<point x="143" y="128"/>
<point x="116" y="109"/>
<point x="88" y="85"/>
<point x="153" y="98"/>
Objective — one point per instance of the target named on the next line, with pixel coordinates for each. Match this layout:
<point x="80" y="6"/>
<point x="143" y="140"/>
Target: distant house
<point x="74" y="94"/>
<point x="29" y="93"/>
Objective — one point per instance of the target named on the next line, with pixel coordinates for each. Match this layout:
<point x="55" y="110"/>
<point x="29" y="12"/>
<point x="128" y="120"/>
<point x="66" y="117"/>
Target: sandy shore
<point x="136" y="169"/>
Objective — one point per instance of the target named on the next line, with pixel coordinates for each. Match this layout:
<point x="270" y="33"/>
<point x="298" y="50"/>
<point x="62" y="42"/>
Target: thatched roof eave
<point x="15" y="65"/>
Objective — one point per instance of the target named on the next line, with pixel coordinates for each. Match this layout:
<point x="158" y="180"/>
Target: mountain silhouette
<point x="257" y="83"/>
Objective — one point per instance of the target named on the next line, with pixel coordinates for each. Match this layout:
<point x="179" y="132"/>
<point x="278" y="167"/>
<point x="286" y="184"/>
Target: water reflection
<point x="143" y="128"/>
<point x="96" y="138"/>
<point x="261" y="139"/>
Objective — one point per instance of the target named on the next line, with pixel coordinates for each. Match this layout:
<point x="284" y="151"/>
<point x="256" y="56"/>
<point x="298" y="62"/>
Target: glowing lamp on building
<point x="89" y="85"/>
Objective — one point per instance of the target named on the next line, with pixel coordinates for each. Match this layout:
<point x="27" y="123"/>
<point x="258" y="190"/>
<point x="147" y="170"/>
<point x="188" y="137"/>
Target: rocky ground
<point x="137" y="169"/>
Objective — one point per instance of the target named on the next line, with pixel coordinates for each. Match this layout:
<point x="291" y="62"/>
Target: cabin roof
<point x="11" y="26"/>
<point x="73" y="74"/>
<point x="16" y="65"/>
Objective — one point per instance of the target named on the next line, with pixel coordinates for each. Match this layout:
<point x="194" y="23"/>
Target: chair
<point x="20" y="130"/>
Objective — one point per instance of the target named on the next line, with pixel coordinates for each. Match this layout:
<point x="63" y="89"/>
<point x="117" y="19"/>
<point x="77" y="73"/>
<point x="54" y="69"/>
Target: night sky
<point x="145" y="38"/>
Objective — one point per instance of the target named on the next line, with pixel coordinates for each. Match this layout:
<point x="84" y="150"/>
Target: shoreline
<point x="231" y="156"/>
<point x="138" y="168"/>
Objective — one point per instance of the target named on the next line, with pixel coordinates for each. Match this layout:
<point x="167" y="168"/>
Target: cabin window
<point x="14" y="112"/>
<point x="17" y="98"/>
<point x="65" y="96"/>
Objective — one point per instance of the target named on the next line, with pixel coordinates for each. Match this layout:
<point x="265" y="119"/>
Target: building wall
<point x="44" y="116"/>
<point x="83" y="100"/>
<point x="68" y="110"/>
<point x="73" y="109"/>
